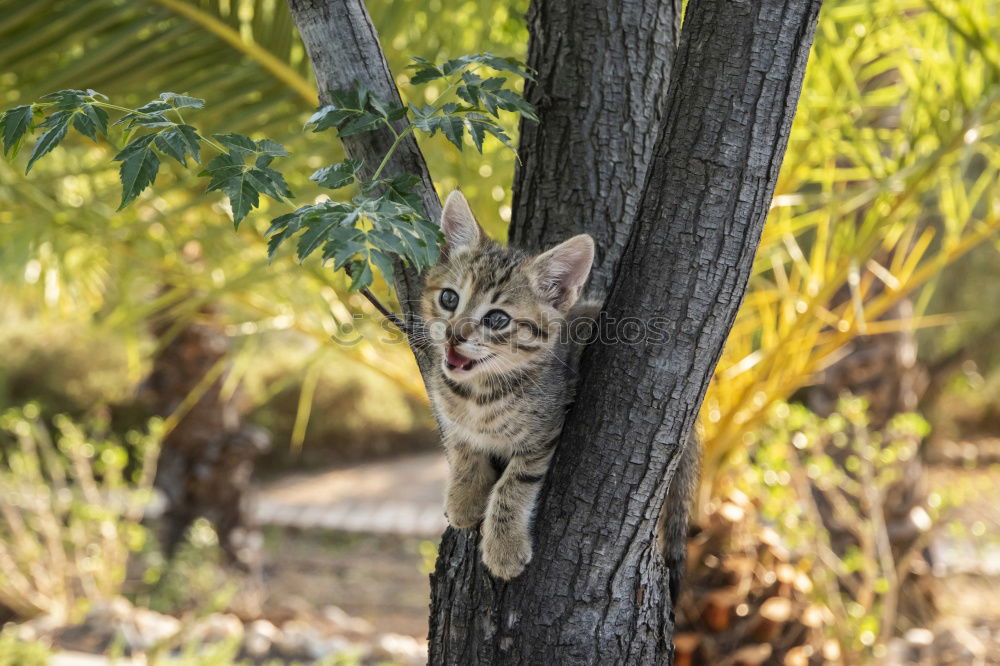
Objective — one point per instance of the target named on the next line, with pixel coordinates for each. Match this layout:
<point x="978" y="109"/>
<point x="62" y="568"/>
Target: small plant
<point x="811" y="473"/>
<point x="70" y="511"/>
<point x="384" y="223"/>
<point x="16" y="652"/>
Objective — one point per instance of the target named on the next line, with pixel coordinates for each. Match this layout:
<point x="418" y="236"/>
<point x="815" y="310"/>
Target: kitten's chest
<point x="496" y="426"/>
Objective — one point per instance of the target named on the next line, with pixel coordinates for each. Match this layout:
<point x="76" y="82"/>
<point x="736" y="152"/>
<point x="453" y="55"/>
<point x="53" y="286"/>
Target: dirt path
<point x="399" y="496"/>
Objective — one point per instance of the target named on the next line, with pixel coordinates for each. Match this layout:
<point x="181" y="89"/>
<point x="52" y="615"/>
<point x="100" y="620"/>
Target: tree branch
<point x="343" y="46"/>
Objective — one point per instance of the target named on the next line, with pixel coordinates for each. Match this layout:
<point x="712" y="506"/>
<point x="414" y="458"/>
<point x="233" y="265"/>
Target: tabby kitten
<point x="502" y="326"/>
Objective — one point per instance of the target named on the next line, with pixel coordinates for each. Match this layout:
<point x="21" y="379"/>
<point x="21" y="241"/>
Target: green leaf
<point x="182" y="101"/>
<point x="344" y="244"/>
<point x="479" y="126"/>
<point x="426" y="71"/>
<point x="344" y="105"/>
<point x="389" y="241"/>
<point x="450" y="126"/>
<point x="85" y="126"/>
<point x="275" y="241"/>
<point x="400" y="189"/>
<point x="15" y="124"/>
<point x="180" y="141"/>
<point x="337" y="175"/>
<point x="364" y="122"/>
<point x="98" y="116"/>
<point x="243" y="197"/>
<point x="236" y="142"/>
<point x="318" y="232"/>
<point x="67" y="100"/>
<point x="415" y="253"/>
<point x="509" y="100"/>
<point x="361" y="275"/>
<point x="270" y="148"/>
<point x="57" y="125"/>
<point x="269" y="181"/>
<point x="228" y="173"/>
<point x="384" y="264"/>
<point x="329" y="116"/>
<point x="138" y="169"/>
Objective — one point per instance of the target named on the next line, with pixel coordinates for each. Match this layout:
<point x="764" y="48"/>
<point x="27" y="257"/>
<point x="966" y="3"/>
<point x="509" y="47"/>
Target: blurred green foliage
<point x="15" y="652"/>
<point x="795" y="458"/>
<point x="892" y="174"/>
<point x="71" y="511"/>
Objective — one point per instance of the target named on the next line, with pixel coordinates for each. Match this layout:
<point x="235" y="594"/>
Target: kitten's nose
<point x="459" y="332"/>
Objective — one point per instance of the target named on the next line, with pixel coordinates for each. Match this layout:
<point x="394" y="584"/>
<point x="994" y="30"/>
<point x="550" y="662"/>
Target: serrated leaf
<point x="15" y="123"/>
<point x="67" y="100"/>
<point x="98" y="115"/>
<point x="450" y="126"/>
<point x="364" y="122"/>
<point x="182" y="101"/>
<point x="275" y="241"/>
<point x="271" y="148"/>
<point x="269" y="181"/>
<point x="57" y="125"/>
<point x="138" y="169"/>
<point x="415" y="250"/>
<point x="236" y="142"/>
<point x="388" y="240"/>
<point x="337" y="175"/>
<point x="342" y="244"/>
<point x="329" y="116"/>
<point x="509" y="100"/>
<point x="137" y="144"/>
<point x="179" y="142"/>
<point x="228" y="173"/>
<point x="243" y="197"/>
<point x="479" y="126"/>
<point x="361" y="275"/>
<point x="400" y="189"/>
<point x="317" y="233"/>
<point x="85" y="125"/>
<point x="425" y="73"/>
<point x="384" y="263"/>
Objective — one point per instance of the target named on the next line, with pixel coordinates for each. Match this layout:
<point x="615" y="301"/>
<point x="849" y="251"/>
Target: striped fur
<point x="502" y="416"/>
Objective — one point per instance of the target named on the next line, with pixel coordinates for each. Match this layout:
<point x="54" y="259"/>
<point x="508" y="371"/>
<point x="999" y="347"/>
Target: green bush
<point x="70" y="511"/>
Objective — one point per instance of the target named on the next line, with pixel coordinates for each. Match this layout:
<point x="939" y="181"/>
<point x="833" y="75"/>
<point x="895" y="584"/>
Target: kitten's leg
<point x="506" y="530"/>
<point x="469" y="481"/>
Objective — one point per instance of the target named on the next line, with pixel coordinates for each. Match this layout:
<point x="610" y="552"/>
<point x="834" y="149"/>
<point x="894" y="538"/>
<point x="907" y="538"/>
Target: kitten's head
<point x="492" y="309"/>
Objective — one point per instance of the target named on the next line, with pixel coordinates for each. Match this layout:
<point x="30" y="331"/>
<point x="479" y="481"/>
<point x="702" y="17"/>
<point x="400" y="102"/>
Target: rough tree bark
<point x="595" y="592"/>
<point x="600" y="92"/>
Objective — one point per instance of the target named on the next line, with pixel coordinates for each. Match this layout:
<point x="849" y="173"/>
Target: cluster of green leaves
<point x="384" y="223"/>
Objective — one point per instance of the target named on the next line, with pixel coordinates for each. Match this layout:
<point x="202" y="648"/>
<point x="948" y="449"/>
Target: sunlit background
<point x="829" y="528"/>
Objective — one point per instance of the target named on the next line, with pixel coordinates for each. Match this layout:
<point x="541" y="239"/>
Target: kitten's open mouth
<point x="454" y="360"/>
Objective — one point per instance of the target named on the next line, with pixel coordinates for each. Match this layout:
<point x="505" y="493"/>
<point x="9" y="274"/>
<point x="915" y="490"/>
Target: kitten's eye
<point x="448" y="299"/>
<point x="496" y="319"/>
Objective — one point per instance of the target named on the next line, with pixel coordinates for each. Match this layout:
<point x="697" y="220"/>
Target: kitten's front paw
<point x="464" y="510"/>
<point x="506" y="554"/>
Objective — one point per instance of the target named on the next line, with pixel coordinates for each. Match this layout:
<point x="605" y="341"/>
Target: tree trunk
<point x="595" y="592"/>
<point x="600" y="93"/>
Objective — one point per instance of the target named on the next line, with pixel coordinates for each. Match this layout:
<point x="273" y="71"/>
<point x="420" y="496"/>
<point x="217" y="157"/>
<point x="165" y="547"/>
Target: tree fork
<point x="596" y="592"/>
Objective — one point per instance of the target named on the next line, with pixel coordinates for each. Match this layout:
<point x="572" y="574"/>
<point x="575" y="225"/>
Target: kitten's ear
<point x="458" y="224"/>
<point x="560" y="273"/>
